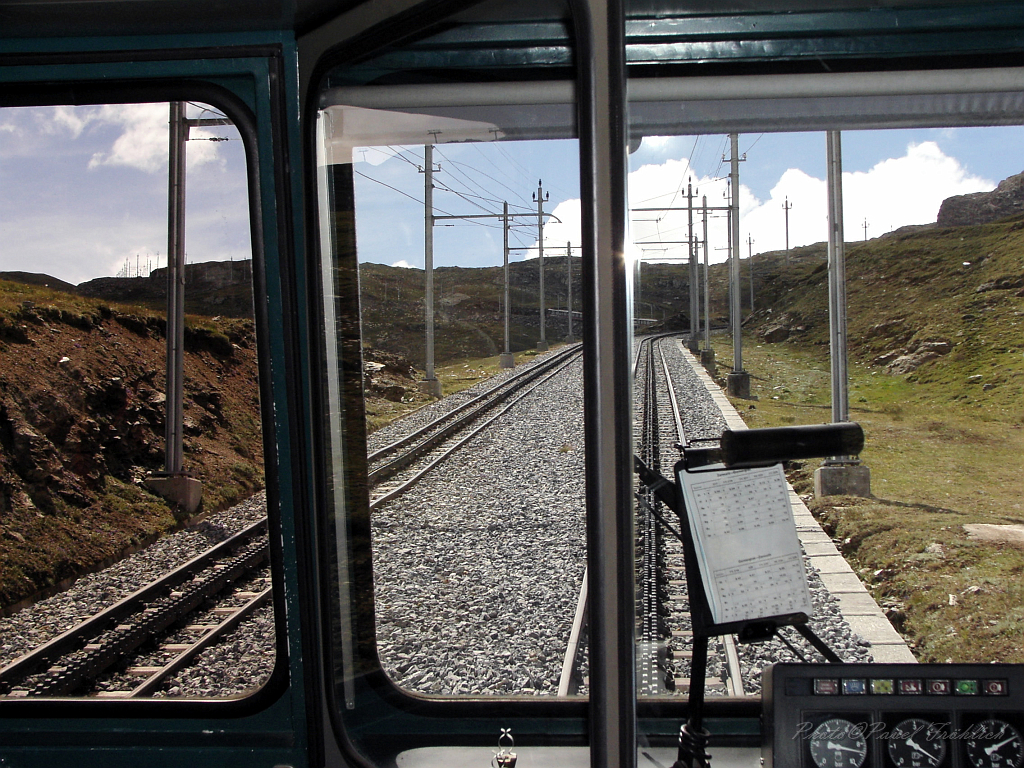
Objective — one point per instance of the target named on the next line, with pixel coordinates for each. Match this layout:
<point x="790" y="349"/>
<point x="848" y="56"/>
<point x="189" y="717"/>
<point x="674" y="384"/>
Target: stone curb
<point x="855" y="603"/>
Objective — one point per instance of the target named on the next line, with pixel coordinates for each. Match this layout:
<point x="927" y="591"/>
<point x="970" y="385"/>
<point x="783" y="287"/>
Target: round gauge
<point x="916" y="743"/>
<point x="994" y="744"/>
<point x="838" y="743"/>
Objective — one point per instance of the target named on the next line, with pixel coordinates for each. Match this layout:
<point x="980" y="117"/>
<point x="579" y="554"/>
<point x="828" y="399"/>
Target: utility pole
<point x="542" y="345"/>
<point x="430" y="384"/>
<point x="174" y="483"/>
<point x="694" y="306"/>
<point x="175" y="288"/>
<point x="737" y="382"/>
<point x="786" y="206"/>
<point x="707" y="355"/>
<point x="840" y="475"/>
<point x="750" y="269"/>
<point x="568" y="277"/>
<point x="865" y="229"/>
<point x="506" y="360"/>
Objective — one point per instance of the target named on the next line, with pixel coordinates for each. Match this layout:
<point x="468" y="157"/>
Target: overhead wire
<point x="476" y="222"/>
<point x="482" y="173"/>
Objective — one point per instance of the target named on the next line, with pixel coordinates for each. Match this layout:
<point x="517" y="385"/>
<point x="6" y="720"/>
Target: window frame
<point x="602" y="53"/>
<point x="230" y="80"/>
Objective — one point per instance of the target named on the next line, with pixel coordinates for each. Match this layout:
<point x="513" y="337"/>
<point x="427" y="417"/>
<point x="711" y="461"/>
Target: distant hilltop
<point x="34" y="278"/>
<point x="984" y="207"/>
<point x="211" y="288"/>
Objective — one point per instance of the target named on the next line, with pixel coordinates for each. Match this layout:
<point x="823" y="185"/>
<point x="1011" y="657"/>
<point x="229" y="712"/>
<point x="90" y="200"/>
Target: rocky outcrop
<point x="983" y="207"/>
<point x="782" y="328"/>
<point x="899" y="362"/>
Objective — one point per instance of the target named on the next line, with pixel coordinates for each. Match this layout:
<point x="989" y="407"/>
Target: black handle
<point x="762" y="447"/>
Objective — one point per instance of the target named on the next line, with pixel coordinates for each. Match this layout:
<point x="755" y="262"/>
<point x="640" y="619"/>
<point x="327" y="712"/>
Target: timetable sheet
<point x="748" y="551"/>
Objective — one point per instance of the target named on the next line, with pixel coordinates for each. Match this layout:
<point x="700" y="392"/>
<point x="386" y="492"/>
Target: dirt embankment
<point x="82" y="424"/>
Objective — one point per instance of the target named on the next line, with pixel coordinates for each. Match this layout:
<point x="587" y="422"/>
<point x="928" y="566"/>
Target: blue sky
<point x="891" y="178"/>
<point x="83" y="190"/>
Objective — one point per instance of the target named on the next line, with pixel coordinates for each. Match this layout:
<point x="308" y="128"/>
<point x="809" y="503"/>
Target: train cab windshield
<point x="601" y="382"/>
<point x="453" y="205"/>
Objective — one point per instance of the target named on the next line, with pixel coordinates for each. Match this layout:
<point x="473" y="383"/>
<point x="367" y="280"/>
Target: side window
<point x="132" y="503"/>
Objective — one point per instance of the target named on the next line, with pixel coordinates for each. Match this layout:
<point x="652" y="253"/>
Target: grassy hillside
<point x="936" y="346"/>
<point x="952" y="295"/>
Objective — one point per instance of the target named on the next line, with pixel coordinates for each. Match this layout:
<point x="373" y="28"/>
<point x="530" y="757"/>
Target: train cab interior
<point x="341" y="111"/>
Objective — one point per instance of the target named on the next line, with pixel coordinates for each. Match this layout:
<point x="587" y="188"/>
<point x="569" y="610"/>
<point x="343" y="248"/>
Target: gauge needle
<point x="996" y="747"/>
<point x="915" y="745"/>
<point x="833" y="745"/>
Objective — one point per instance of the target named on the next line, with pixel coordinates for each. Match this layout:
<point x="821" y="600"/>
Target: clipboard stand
<point x="693" y="736"/>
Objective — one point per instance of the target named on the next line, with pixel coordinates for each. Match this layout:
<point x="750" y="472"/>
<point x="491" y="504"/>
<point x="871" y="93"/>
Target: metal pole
<point x="836" y="277"/>
<point x="734" y="253"/>
<point x="694" y="306"/>
<point x="707" y="290"/>
<point x="785" y="207"/>
<point x="543" y="345"/>
<point x="428" y="255"/>
<point x="175" y="288"/>
<point x="505" y="231"/>
<point x="568" y="273"/>
<point x="750" y="269"/>
<point x="608" y="427"/>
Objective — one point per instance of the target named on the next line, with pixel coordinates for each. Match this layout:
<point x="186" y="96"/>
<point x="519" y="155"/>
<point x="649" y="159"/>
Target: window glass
<point x="466" y="252"/>
<point x="94" y="507"/>
<point x="918" y="521"/>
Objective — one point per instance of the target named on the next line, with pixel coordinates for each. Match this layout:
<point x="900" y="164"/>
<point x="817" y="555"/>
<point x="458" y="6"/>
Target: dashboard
<point x="893" y="716"/>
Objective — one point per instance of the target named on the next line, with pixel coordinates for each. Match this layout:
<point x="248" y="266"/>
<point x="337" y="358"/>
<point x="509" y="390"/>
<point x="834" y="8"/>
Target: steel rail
<point x="452" y="449"/>
<point x="733" y="670"/>
<point x="74" y="638"/>
<point x="485" y="399"/>
<point x="115" y="644"/>
<point x="184" y="655"/>
<point x="569" y="678"/>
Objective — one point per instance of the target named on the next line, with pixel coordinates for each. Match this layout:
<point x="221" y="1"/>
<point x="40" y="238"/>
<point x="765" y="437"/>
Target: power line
<point x="482" y="173"/>
<point x="413" y="198"/>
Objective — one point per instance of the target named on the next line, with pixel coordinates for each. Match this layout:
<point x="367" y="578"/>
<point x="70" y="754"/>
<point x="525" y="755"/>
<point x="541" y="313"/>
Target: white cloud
<point x="894" y="193"/>
<point x="404" y="264"/>
<point x="376" y="155"/>
<point x="143" y="141"/>
<point x="71" y="119"/>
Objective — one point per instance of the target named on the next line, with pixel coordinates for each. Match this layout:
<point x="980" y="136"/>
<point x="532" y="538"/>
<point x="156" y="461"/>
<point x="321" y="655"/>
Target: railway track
<point x="665" y="637"/>
<point x="132" y="647"/>
<point x="72" y="661"/>
<point x="398" y="466"/>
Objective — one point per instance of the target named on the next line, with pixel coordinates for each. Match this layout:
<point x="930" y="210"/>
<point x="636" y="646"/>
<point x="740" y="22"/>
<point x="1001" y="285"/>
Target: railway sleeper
<point x="126" y="638"/>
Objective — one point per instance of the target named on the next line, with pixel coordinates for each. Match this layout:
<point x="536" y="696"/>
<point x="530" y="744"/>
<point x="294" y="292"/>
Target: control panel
<point x="893" y="716"/>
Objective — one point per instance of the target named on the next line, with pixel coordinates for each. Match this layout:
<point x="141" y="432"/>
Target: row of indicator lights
<point x="831" y="686"/>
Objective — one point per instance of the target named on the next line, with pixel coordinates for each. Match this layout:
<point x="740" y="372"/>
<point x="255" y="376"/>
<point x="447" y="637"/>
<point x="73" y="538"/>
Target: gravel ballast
<point x="477" y="569"/>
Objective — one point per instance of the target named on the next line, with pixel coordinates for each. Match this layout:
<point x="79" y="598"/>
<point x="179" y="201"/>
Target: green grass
<point x="937" y="460"/>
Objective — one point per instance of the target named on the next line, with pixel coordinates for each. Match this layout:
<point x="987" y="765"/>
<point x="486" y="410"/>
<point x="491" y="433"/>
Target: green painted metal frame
<point x="254" y="78"/>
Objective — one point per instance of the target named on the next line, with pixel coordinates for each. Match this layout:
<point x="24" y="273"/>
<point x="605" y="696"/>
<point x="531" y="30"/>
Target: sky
<point x="83" y="190"/>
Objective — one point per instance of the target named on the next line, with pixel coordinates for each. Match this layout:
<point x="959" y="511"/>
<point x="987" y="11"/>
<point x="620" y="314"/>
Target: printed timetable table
<point x="736" y="501"/>
<point x="746" y="542"/>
